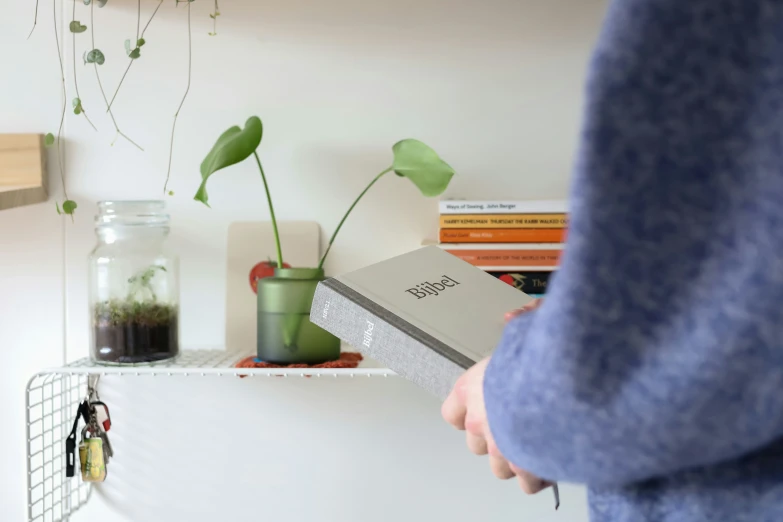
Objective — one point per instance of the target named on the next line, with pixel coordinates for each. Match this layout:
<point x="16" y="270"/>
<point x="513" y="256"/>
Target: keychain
<point x="91" y="456"/>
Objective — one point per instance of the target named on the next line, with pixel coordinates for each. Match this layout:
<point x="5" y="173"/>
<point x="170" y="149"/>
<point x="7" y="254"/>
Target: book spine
<point x="500" y="235"/>
<point x="368" y="328"/>
<point x="528" y="282"/>
<point x="518" y="259"/>
<point x="535" y="221"/>
<point x="502" y="207"/>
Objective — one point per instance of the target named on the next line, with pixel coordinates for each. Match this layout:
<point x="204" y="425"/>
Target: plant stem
<point x="100" y="84"/>
<point x="271" y="213"/>
<point x="131" y="60"/>
<point x="35" y="20"/>
<point x="64" y="95"/>
<point x="174" y="126"/>
<point x="75" y="81"/>
<point x="339" y="226"/>
<point x="138" y="19"/>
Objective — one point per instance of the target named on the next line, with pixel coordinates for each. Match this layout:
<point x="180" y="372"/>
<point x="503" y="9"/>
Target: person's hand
<point x="535" y="303"/>
<point x="464" y="409"/>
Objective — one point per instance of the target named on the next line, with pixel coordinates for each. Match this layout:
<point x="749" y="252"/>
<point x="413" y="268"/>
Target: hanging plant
<point x="95" y="56"/>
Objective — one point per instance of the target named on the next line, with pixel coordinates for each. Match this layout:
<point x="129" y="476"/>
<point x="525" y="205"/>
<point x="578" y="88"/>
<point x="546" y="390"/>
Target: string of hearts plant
<point x="95" y="56"/>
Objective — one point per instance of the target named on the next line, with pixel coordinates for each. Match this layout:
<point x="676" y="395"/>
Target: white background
<point x="495" y="86"/>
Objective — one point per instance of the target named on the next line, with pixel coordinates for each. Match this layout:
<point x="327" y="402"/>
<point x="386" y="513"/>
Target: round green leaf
<point x="49" y="139"/>
<point x="127" y="47"/>
<point x="69" y="206"/>
<point x="140" y="42"/>
<point x="77" y="106"/>
<point x="135" y="53"/>
<point x="95" y="56"/>
<point x="233" y="146"/>
<point x="422" y="165"/>
<point x="77" y="27"/>
<point x="101" y="3"/>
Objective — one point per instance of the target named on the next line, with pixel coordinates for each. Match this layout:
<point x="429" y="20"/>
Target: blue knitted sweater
<point x="653" y="371"/>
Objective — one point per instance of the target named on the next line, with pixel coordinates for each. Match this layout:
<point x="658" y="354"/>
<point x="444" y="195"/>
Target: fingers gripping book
<point x="426" y="314"/>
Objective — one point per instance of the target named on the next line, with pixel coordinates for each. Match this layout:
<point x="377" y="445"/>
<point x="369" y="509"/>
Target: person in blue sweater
<point x="652" y="371"/>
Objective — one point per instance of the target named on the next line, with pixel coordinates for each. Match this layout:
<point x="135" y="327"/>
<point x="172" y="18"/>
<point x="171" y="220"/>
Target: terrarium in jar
<point x="134" y="285"/>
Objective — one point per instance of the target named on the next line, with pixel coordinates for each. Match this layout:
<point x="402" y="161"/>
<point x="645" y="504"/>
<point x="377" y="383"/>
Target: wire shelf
<point x="213" y="362"/>
<point x="51" y="400"/>
<point x="53" y="397"/>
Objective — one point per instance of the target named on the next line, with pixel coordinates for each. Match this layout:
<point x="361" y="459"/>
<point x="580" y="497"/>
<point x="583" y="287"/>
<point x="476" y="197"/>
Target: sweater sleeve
<point x="659" y="345"/>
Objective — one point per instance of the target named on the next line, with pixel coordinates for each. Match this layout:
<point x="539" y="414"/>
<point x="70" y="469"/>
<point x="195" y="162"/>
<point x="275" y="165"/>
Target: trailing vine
<point x="96" y="57"/>
<point x="35" y="20"/>
<point x="134" y="53"/>
<point x="213" y="15"/>
<point x="187" y="89"/>
<point x="76" y="27"/>
<point x="68" y="205"/>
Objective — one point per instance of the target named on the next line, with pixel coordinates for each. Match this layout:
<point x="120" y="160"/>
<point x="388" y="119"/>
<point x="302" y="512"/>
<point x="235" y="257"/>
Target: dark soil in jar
<point x="135" y="332"/>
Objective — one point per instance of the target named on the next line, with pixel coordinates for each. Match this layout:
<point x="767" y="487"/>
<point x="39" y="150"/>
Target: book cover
<point x="502" y="235"/>
<point x="503" y="207"/>
<point x="426" y="314"/>
<point x="532" y="283"/>
<point x="537" y="221"/>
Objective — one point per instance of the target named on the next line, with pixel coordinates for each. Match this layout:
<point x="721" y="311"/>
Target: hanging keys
<point x="94" y="449"/>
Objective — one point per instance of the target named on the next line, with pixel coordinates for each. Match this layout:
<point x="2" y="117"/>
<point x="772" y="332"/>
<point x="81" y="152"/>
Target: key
<point x="108" y="450"/>
<point x="104" y="419"/>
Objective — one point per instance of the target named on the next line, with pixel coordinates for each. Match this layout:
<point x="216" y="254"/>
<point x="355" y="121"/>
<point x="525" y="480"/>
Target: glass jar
<point x="134" y="285"/>
<point x="285" y="333"/>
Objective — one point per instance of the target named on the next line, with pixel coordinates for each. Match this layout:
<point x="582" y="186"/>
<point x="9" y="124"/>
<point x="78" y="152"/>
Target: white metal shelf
<point x="53" y="396"/>
<point x="213" y="362"/>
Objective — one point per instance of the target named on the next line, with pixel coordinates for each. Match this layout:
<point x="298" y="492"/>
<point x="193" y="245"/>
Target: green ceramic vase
<point x="285" y="333"/>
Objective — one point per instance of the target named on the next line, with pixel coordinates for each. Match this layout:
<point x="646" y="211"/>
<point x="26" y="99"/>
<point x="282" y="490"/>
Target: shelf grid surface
<point x="52" y="401"/>
<point x="215" y="362"/>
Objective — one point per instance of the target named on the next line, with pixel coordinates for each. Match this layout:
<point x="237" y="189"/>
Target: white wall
<point x="495" y="86"/>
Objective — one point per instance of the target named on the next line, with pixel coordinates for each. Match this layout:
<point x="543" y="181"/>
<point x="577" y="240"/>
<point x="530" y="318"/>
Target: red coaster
<point x="346" y="360"/>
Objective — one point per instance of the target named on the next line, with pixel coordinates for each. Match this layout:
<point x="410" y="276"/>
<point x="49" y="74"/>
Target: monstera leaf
<point x="422" y="165"/>
<point x="233" y="146"/>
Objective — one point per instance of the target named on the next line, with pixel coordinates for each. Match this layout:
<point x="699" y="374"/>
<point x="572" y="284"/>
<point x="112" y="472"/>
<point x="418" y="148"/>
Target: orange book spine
<point x="514" y="221"/>
<point x="501" y="235"/>
<point x="509" y="258"/>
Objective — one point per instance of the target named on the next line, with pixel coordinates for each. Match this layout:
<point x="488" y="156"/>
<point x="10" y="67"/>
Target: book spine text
<point x="535" y="221"/>
<point x="501" y="235"/>
<point x="509" y="258"/>
<point x="370" y="329"/>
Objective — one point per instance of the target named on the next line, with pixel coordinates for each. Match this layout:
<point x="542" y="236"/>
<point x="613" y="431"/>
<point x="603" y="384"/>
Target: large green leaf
<point x="233" y="146"/>
<point x="422" y="165"/>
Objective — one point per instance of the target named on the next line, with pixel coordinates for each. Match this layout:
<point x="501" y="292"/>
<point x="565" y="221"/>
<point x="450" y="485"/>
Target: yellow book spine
<point x="505" y="221"/>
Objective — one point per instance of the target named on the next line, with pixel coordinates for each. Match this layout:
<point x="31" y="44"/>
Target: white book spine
<point x="503" y="207"/>
<point x="381" y="335"/>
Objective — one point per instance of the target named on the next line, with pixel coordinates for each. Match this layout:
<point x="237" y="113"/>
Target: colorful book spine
<point x="501" y="235"/>
<point x="532" y="283"/>
<point x="503" y="207"/>
<point x="516" y="258"/>
<point x="505" y="221"/>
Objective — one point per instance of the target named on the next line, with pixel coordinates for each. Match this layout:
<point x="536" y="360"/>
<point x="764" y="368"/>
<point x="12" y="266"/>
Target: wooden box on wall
<point x="23" y="178"/>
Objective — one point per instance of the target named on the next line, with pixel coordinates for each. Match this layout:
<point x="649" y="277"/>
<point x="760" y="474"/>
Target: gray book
<point x="427" y="315"/>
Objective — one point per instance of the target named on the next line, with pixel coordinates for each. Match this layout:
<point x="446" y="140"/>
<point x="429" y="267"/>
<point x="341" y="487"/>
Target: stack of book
<point x="519" y="242"/>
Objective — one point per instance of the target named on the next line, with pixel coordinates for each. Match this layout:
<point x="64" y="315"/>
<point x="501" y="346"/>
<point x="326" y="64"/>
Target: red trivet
<point x="346" y="360"/>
